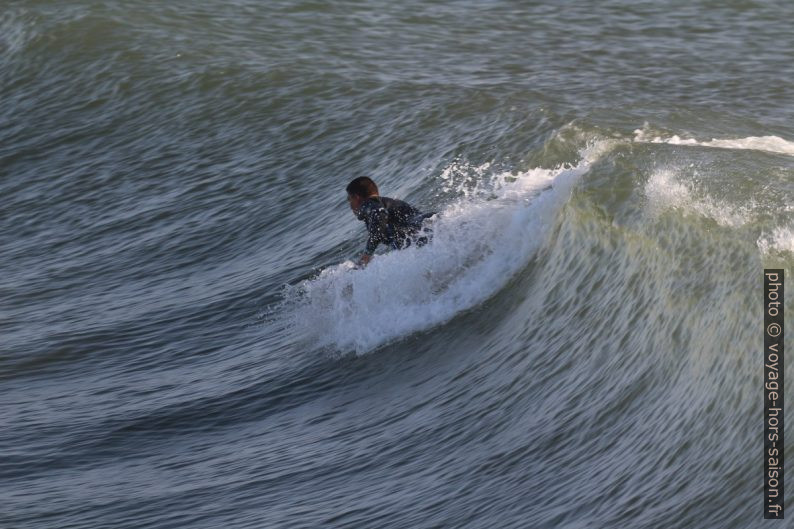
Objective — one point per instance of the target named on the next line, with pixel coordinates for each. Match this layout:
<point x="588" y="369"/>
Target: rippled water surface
<point x="185" y="343"/>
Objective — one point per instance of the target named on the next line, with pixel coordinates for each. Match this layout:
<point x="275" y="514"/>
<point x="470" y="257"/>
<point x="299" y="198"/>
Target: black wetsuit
<point x="393" y="222"/>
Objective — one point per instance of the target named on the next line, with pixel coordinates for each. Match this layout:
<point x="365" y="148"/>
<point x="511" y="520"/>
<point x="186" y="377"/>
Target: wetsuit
<point x="393" y="222"/>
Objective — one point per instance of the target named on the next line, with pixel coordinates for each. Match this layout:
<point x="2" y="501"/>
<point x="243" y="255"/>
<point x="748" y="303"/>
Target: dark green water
<point x="184" y="344"/>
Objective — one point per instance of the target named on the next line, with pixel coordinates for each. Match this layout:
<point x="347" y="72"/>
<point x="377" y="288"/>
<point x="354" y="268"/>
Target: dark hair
<point x="362" y="186"/>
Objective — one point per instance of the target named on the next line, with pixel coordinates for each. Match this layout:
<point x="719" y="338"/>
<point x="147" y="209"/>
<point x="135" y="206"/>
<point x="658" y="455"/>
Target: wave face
<point x="184" y="341"/>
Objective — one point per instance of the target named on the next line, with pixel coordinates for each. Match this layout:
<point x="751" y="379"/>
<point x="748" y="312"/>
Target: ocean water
<point x="185" y="344"/>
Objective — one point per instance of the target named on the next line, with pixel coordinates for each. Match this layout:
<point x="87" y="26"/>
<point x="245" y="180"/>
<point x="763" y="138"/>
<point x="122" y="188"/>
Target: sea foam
<point x="666" y="189"/>
<point x="773" y="144"/>
<point x="779" y="240"/>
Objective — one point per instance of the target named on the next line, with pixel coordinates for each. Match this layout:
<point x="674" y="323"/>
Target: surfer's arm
<point x="365" y="258"/>
<point x="377" y="225"/>
<point x="372" y="243"/>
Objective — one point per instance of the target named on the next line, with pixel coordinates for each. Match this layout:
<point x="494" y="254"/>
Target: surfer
<point x="389" y="221"/>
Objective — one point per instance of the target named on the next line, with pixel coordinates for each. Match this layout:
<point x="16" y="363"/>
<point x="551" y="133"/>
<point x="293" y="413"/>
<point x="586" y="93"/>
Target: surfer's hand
<point x="365" y="258"/>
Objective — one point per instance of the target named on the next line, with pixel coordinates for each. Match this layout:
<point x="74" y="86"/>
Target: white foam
<point x="773" y="144"/>
<point x="665" y="190"/>
<point x="780" y="240"/>
<point x="465" y="178"/>
<point x="479" y="243"/>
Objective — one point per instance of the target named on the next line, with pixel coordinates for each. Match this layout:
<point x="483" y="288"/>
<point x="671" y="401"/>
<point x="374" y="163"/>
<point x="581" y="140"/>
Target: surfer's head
<point x="359" y="190"/>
